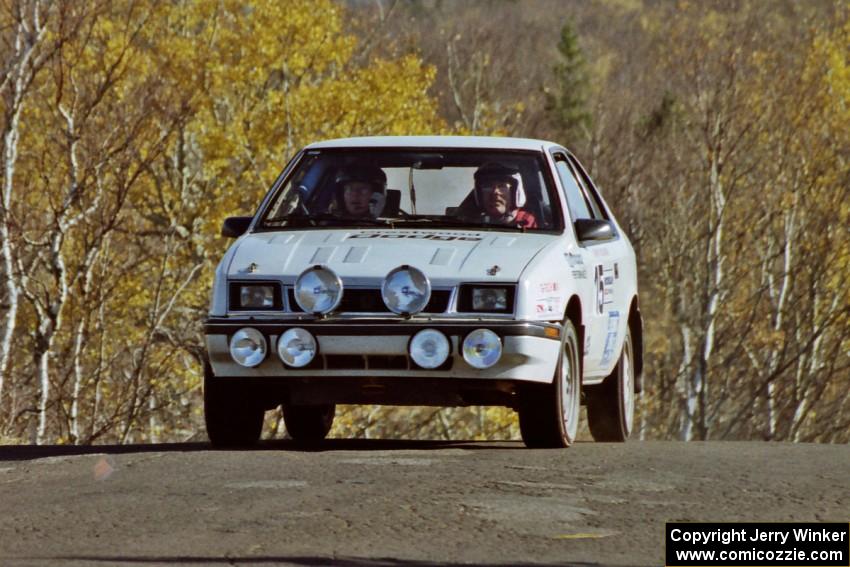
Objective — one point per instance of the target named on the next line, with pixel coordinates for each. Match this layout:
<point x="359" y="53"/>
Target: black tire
<point x="549" y="414"/>
<point x="309" y="424"/>
<point x="610" y="405"/>
<point x="232" y="417"/>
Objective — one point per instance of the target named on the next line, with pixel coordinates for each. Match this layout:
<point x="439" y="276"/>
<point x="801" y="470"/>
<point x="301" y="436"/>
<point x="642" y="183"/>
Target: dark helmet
<point x="363" y="173"/>
<point x="492" y="171"/>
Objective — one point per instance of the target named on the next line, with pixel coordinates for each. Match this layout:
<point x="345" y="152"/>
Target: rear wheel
<point x="309" y="424"/>
<point x="549" y="413"/>
<point x="611" y="405"/>
<point x="233" y="418"/>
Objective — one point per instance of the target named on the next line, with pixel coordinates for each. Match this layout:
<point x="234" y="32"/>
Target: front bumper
<point x="377" y="348"/>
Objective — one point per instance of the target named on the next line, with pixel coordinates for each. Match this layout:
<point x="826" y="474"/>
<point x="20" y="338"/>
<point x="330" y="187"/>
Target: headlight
<point x="486" y="298"/>
<point x="255" y="296"/>
<point x="482" y="348"/>
<point x="318" y="290"/>
<point x="296" y="348"/>
<point x="406" y="290"/>
<point x="248" y="347"/>
<point x="489" y="299"/>
<point x="429" y="348"/>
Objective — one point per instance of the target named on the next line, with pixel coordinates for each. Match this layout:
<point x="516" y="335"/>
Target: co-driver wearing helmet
<point x="500" y="196"/>
<point x="361" y="191"/>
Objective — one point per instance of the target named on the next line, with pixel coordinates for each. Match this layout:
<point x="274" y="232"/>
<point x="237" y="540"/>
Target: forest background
<point x="718" y="130"/>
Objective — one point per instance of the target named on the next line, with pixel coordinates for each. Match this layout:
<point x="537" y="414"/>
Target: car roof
<point x="464" y="142"/>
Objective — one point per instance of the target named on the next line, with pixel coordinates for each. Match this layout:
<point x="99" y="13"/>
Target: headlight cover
<point x="429" y="348"/>
<point x="489" y="299"/>
<point x="255" y="296"/>
<point x="296" y="347"/>
<point x="482" y="348"/>
<point x="486" y="298"/>
<point x="248" y="347"/>
<point x="318" y="290"/>
<point x="406" y="290"/>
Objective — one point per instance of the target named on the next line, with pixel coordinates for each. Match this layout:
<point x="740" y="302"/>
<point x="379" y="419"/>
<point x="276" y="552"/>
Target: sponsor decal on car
<point x="548" y="287"/>
<point x="548" y="306"/>
<point x="611" y="337"/>
<point x="442" y="237"/>
<point x="576" y="263"/>
<point x="574" y="260"/>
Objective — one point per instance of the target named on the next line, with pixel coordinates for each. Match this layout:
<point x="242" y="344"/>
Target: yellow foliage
<point x="195" y="107"/>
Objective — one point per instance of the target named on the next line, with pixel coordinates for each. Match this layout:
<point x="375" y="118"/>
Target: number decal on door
<point x="604" y="280"/>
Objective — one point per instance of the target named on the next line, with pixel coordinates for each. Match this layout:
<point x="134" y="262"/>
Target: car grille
<point x="370" y="301"/>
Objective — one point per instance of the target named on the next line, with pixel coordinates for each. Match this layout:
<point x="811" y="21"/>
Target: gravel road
<point x="382" y="503"/>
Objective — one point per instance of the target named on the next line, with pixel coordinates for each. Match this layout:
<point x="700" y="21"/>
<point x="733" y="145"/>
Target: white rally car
<point x="445" y="271"/>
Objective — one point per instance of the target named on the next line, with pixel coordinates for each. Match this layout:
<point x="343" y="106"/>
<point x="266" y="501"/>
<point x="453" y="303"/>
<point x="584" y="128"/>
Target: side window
<point x="590" y="189"/>
<point x="545" y="204"/>
<point x="579" y="208"/>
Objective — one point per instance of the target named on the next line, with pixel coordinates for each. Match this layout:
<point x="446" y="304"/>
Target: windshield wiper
<point x="315" y="220"/>
<point x="427" y="219"/>
<point x="451" y="222"/>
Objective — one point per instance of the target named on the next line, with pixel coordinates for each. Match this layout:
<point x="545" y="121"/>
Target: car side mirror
<point x="234" y="227"/>
<point x="594" y="229"/>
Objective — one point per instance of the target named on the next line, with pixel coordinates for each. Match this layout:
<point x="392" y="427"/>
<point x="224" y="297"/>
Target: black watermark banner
<point x="758" y="545"/>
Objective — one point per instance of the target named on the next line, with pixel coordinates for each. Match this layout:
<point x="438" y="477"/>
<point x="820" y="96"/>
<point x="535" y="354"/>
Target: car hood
<point x="365" y="256"/>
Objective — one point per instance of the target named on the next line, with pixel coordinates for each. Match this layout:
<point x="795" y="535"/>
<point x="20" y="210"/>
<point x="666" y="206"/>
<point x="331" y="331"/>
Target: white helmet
<point x="496" y="171"/>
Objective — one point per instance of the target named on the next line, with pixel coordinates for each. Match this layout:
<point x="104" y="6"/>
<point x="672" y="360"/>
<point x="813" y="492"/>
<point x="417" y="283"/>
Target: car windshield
<point x="480" y="189"/>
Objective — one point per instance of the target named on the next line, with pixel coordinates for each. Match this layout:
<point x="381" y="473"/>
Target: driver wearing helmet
<point x="361" y="191"/>
<point x="500" y="196"/>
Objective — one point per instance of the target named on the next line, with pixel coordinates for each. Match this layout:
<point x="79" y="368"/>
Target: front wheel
<point x="232" y="417"/>
<point x="549" y="413"/>
<point x="611" y="405"/>
<point x="309" y="424"/>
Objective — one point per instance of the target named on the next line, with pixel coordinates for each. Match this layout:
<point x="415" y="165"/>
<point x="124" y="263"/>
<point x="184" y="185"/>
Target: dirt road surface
<point x="382" y="503"/>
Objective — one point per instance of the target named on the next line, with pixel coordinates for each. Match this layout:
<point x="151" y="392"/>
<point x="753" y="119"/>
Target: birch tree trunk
<point x="25" y="60"/>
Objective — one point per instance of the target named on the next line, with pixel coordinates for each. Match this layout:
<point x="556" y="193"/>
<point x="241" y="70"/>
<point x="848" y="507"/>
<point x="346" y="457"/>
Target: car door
<point x="613" y="295"/>
<point x="604" y="314"/>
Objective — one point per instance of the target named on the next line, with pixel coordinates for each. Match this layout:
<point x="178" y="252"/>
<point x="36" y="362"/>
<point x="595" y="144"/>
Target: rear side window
<point x="589" y="189"/>
<point x="578" y="205"/>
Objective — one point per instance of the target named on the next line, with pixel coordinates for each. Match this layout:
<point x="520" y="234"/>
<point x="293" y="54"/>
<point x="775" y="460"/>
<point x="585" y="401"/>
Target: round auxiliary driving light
<point x="429" y="348"/>
<point x="296" y="348"/>
<point x="318" y="290"/>
<point x="406" y="290"/>
<point x="482" y="348"/>
<point x="248" y="347"/>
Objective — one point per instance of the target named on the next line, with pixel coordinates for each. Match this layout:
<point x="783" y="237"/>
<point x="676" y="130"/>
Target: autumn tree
<point x="566" y="102"/>
<point x="129" y="131"/>
<point x="795" y="355"/>
<point x="157" y="121"/>
<point x="26" y="48"/>
<point x="733" y="274"/>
